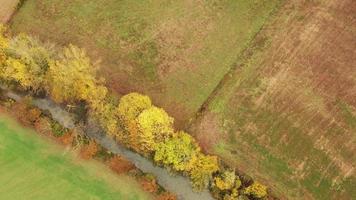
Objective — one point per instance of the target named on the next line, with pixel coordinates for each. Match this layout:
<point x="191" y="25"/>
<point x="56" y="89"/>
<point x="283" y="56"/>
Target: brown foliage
<point x="120" y="164"/>
<point x="43" y="126"/>
<point x="66" y="139"/>
<point x="89" y="150"/>
<point x="19" y="110"/>
<point x="167" y="196"/>
<point x="34" y="114"/>
<point x="149" y="185"/>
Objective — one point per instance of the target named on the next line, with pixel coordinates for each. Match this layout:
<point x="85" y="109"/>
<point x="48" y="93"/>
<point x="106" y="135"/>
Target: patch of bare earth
<point x="7" y="8"/>
<point x="212" y="132"/>
<point x="311" y="69"/>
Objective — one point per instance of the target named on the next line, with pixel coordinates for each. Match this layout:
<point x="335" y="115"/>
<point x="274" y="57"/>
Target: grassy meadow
<point x="287" y="114"/>
<point x="174" y="51"/>
<point x="31" y="167"/>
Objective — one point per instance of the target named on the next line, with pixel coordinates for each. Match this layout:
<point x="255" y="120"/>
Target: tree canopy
<point x="177" y="151"/>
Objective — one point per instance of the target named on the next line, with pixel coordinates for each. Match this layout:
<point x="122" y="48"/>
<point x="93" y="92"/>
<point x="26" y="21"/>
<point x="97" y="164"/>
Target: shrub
<point x="225" y="181"/>
<point x="43" y="126"/>
<point x="120" y="165"/>
<point x="226" y="185"/>
<point x="149" y="184"/>
<point x="89" y="150"/>
<point x="57" y="129"/>
<point x="34" y="114"/>
<point x="67" y="138"/>
<point x="256" y="190"/>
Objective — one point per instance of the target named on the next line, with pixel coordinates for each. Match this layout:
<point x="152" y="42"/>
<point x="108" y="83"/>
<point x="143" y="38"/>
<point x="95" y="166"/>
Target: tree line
<point x="68" y="76"/>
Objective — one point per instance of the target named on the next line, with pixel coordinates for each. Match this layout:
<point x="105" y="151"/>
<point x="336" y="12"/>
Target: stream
<point x="178" y="184"/>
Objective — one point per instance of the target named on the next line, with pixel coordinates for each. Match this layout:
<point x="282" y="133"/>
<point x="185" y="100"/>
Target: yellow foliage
<point x="154" y="126"/>
<point x="256" y="190"/>
<point x="21" y="60"/>
<point x="103" y="112"/>
<point x="72" y="78"/>
<point x="226" y="181"/>
<point x="131" y="105"/>
<point x="34" y="58"/>
<point x="3" y="59"/>
<point x="3" y="39"/>
<point x="227" y="184"/>
<point x="3" y="46"/>
<point x="201" y="168"/>
<point x="235" y="191"/>
<point x="15" y="70"/>
<point x="133" y="137"/>
<point x="177" y="151"/>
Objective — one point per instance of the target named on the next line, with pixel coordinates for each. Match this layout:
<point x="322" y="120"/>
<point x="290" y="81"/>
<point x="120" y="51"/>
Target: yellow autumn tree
<point x="177" y="151"/>
<point x="3" y="46"/>
<point x="3" y="40"/>
<point x="131" y="105"/>
<point x="154" y="126"/>
<point x="256" y="190"/>
<point x="27" y="62"/>
<point x="201" y="169"/>
<point x="225" y="181"/>
<point x="104" y="112"/>
<point x="72" y="78"/>
<point x="15" y="70"/>
<point x="226" y="184"/>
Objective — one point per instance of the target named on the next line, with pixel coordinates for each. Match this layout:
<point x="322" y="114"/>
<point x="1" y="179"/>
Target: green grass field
<point x="174" y="51"/>
<point x="287" y="114"/>
<point x="33" y="168"/>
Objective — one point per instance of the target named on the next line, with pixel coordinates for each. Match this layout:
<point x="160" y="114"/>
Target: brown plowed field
<point x="287" y="113"/>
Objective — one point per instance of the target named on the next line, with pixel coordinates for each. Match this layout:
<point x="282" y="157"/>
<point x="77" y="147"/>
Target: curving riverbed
<point x="177" y="184"/>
